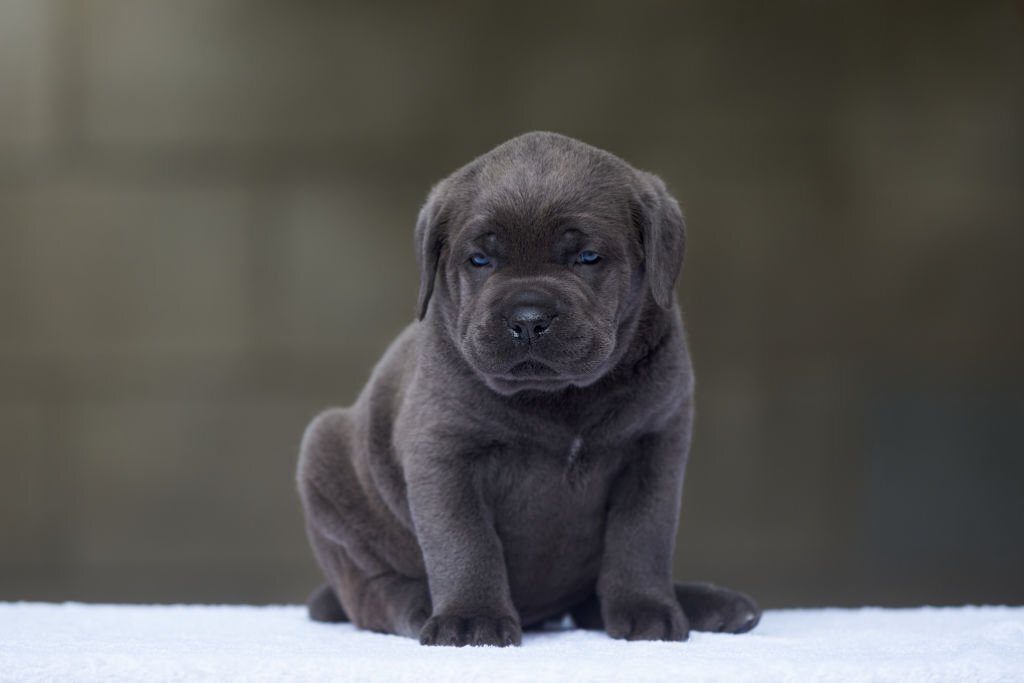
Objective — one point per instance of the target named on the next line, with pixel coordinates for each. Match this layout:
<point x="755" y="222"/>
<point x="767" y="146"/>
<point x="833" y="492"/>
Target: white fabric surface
<point x="76" y="642"/>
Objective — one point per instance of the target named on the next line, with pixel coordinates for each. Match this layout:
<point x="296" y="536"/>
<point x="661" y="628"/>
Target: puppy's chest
<point x="550" y="503"/>
<point x="561" y="469"/>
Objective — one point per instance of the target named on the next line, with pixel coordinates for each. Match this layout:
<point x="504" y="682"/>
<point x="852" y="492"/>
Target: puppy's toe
<point x="646" y="619"/>
<point x="457" y="630"/>
<point x="444" y="630"/>
<point x="499" y="631"/>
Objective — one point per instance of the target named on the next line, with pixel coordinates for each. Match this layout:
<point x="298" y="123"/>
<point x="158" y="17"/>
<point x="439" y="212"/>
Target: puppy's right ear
<point x="429" y="241"/>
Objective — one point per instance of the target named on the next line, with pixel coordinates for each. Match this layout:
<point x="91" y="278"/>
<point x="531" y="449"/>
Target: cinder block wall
<point x="205" y="237"/>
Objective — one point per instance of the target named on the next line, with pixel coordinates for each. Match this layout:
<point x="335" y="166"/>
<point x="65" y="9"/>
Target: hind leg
<point x="383" y="601"/>
<point x="717" y="609"/>
<point x="372" y="563"/>
<point x="707" y="607"/>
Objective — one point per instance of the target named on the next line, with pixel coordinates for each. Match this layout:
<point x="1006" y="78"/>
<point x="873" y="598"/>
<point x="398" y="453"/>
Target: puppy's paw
<point x="716" y="609"/>
<point x="459" y="630"/>
<point x="646" y="618"/>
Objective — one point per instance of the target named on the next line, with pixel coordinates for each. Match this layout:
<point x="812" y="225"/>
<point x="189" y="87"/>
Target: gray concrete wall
<point x="205" y="237"/>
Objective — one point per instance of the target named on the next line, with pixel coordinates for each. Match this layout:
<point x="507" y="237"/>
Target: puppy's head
<point x="539" y="256"/>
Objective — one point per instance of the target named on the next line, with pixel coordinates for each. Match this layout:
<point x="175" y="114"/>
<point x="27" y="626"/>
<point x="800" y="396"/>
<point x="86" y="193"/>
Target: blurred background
<point x="206" y="213"/>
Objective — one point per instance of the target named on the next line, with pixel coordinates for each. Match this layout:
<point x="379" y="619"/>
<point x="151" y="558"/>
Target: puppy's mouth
<point x="531" y="369"/>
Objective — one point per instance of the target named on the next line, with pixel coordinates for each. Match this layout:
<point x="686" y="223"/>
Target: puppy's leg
<point x="370" y="561"/>
<point x="463" y="554"/>
<point x="707" y="607"/>
<point x="382" y="600"/>
<point x="638" y="600"/>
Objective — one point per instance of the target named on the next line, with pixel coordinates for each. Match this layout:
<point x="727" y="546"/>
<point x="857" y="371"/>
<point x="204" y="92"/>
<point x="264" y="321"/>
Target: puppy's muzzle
<point x="529" y="315"/>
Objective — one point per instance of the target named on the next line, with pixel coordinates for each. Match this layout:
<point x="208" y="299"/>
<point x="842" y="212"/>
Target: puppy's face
<point x="542" y="255"/>
<point x="541" y="291"/>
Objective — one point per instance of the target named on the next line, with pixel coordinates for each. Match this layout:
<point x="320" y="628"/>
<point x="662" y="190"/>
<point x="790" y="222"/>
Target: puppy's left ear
<point x="429" y="238"/>
<point x="663" y="233"/>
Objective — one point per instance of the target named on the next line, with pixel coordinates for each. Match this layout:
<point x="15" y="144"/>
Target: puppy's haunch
<point x="518" y="452"/>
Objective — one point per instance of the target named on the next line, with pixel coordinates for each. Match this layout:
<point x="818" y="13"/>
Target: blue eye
<point x="479" y="260"/>
<point x="588" y="258"/>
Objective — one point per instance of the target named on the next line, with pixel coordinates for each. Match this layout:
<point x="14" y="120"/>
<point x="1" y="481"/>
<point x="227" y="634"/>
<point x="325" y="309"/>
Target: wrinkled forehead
<point x="535" y="204"/>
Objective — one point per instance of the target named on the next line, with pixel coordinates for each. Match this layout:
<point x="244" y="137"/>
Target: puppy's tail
<point x="323" y="605"/>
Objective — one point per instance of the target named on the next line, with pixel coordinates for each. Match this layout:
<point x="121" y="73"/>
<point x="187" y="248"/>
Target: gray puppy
<point x="518" y="453"/>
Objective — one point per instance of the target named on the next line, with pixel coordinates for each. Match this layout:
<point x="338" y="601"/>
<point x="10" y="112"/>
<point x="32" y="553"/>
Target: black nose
<point x="529" y="317"/>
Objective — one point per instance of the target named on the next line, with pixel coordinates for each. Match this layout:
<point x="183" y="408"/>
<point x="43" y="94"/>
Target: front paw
<point x="646" y="618"/>
<point x="459" y="630"/>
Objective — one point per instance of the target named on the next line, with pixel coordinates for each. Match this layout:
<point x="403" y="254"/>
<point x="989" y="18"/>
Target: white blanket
<point x="75" y="642"/>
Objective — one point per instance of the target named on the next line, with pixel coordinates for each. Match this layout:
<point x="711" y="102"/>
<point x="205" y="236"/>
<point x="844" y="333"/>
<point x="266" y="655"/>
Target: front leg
<point x="472" y="603"/>
<point x="635" y="588"/>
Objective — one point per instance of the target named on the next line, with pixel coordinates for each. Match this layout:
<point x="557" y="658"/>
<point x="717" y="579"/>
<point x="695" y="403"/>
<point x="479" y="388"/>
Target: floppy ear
<point x="429" y="238"/>
<point x="663" y="233"/>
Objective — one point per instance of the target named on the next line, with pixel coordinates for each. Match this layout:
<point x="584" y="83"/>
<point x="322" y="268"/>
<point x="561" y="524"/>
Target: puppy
<point x="518" y="453"/>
